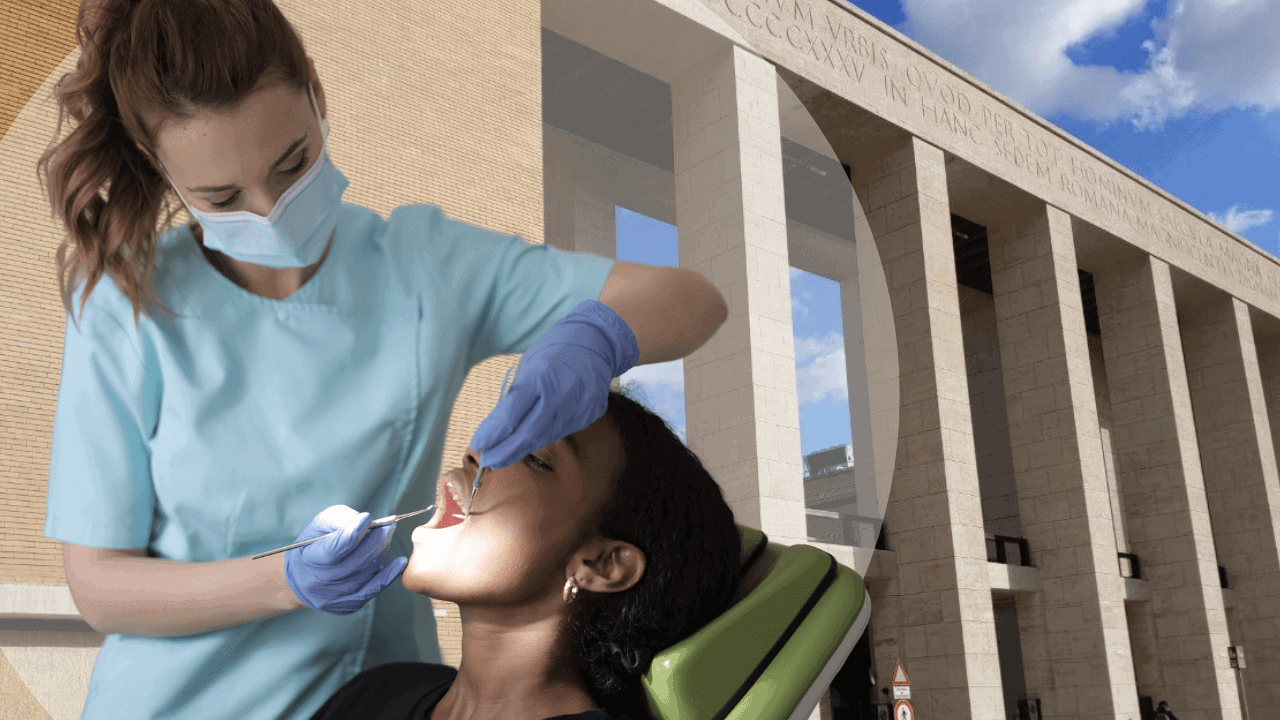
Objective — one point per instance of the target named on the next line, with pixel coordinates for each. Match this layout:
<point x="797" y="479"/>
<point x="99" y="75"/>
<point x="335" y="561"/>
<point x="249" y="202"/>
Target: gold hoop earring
<point x="568" y="588"/>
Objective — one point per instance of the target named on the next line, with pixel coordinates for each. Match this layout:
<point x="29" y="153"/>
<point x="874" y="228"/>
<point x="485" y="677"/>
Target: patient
<point x="573" y="567"/>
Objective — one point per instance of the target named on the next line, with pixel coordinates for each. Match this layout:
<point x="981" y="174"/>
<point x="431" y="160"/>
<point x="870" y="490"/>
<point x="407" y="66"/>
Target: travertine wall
<point x="1012" y="674"/>
<point x="941" y="607"/>
<point x="987" y="406"/>
<point x="1075" y="638"/>
<point x="1267" y="342"/>
<point x="1159" y="471"/>
<point x="1240" y="477"/>
<point x="1102" y="396"/>
<point x="740" y="394"/>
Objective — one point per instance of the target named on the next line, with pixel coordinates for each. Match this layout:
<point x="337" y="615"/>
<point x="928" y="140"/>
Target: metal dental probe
<point x="475" y="484"/>
<point x="395" y="518"/>
<point x="375" y="524"/>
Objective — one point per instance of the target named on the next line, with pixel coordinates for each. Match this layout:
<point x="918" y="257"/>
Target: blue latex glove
<point x="341" y="573"/>
<point x="562" y="385"/>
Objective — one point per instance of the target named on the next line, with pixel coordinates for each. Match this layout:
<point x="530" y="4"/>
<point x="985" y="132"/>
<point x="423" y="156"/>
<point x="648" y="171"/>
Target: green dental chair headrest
<point x="771" y="655"/>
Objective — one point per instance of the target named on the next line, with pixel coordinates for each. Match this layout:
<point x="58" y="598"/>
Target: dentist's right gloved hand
<point x="342" y="572"/>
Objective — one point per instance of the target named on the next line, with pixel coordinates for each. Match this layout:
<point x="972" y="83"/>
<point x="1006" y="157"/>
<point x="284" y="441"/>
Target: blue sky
<point x="1182" y="93"/>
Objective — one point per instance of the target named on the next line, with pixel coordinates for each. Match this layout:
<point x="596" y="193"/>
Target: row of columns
<point x="1191" y="434"/>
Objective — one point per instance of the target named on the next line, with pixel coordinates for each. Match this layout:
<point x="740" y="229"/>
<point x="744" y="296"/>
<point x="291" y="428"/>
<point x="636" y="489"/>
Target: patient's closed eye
<point x="532" y="461"/>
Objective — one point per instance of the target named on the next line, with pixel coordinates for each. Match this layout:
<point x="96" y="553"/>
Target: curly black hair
<point x="665" y="503"/>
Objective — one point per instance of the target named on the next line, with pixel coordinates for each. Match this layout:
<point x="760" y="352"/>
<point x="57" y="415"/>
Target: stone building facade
<point x="1062" y="380"/>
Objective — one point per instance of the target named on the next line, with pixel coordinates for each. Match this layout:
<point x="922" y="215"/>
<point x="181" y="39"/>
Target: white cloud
<point x="820" y="369"/>
<point x="1208" y="55"/>
<point x="1237" y="220"/>
<point x="809" y="348"/>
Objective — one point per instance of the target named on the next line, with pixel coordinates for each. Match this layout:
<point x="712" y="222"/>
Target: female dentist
<point x="282" y="360"/>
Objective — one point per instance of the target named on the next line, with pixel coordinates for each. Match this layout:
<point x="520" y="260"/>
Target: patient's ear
<point x="607" y="566"/>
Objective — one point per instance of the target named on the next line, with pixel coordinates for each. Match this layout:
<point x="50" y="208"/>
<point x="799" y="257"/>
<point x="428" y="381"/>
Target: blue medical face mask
<point x="296" y="232"/>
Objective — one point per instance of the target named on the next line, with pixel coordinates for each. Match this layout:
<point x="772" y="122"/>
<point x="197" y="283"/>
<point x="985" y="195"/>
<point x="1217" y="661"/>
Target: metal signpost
<point x="1235" y="653"/>
<point x="902" y="709"/>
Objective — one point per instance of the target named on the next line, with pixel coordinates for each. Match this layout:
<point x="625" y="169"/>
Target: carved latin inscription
<point x="862" y="63"/>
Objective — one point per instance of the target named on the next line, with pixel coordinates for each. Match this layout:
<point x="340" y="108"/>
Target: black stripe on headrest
<point x="809" y="604"/>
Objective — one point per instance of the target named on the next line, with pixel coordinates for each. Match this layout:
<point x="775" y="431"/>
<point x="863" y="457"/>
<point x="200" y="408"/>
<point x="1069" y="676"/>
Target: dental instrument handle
<point x="475" y="484"/>
<point x="375" y="524"/>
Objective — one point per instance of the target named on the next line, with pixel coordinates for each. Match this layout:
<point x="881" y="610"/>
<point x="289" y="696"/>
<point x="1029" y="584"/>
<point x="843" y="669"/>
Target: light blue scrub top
<point x="221" y="431"/>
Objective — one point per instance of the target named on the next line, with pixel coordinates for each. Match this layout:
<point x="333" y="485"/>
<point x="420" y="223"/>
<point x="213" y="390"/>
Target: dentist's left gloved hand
<point x="341" y="573"/>
<point x="562" y="385"/>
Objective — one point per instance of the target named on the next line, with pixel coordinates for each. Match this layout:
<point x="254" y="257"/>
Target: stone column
<point x="1269" y="365"/>
<point x="1102" y="396"/>
<point x="862" y="414"/>
<point x="1075" y="635"/>
<point x="740" y="388"/>
<point x="937" y="614"/>
<point x="1239" y="461"/>
<point x="1159" y="474"/>
<point x="579" y="215"/>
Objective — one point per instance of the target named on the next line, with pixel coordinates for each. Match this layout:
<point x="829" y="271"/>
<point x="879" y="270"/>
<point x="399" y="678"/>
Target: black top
<point x="403" y="691"/>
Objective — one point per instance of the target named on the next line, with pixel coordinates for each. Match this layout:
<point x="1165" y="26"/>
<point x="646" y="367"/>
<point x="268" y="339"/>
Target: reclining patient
<point x="573" y="566"/>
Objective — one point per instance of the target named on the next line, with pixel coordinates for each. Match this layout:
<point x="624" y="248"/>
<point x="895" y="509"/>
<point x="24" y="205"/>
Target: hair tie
<point x="634" y="660"/>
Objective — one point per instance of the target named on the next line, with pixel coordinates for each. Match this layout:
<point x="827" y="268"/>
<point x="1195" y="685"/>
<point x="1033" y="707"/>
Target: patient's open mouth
<point x="449" y="501"/>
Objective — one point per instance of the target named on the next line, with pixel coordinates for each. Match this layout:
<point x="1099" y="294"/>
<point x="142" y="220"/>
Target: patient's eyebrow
<point x="572" y="443"/>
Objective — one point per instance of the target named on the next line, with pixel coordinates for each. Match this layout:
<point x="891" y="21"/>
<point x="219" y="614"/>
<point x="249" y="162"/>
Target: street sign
<point x="900" y="675"/>
<point x="901" y="692"/>
<point x="902" y="710"/>
<point x="1235" y="653"/>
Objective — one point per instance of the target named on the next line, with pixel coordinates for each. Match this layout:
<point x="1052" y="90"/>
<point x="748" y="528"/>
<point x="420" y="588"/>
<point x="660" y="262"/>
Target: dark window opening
<point x="1089" y="298"/>
<point x="998" y="547"/>
<point x="973" y="268"/>
<point x="1130" y="566"/>
<point x="853" y="689"/>
<point x="973" y="263"/>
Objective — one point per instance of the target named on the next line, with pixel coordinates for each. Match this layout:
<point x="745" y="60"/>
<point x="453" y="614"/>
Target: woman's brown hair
<point x="142" y="63"/>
